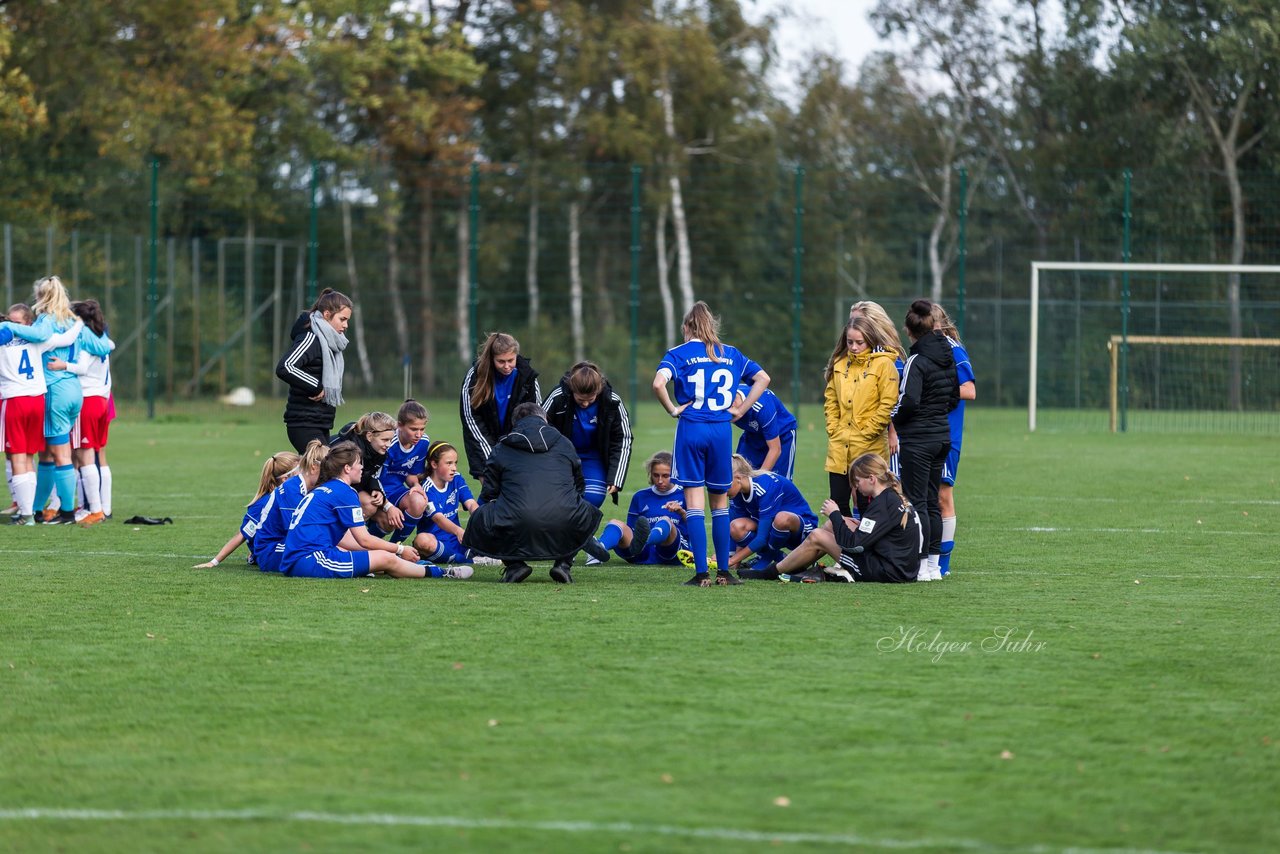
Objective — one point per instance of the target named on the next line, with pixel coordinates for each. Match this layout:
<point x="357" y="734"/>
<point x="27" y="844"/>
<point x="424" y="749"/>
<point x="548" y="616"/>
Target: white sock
<point x="92" y="483"/>
<point x="104" y="473"/>
<point x="922" y="574"/>
<point x="24" y="491"/>
<point x="8" y="476"/>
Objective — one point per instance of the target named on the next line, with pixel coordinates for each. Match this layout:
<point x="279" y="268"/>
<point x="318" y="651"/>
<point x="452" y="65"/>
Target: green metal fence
<point x="200" y="295"/>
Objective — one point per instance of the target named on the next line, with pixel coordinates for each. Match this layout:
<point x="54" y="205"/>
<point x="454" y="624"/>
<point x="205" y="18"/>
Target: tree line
<point x="1017" y="119"/>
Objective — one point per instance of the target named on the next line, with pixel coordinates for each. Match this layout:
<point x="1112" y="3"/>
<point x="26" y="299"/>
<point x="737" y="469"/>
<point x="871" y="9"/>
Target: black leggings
<point x="842" y="494"/>
<point x="921" y="472"/>
<point x="300" y="437"/>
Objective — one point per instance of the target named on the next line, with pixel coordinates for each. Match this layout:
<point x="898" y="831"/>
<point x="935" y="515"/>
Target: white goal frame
<point x="1107" y="267"/>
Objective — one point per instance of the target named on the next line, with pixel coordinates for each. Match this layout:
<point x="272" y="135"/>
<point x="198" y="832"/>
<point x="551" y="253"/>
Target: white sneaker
<point x="923" y="574"/>
<point x="837" y="573"/>
<point x="481" y="560"/>
<point x="935" y="568"/>
<point x="592" y="562"/>
<point x="460" y="572"/>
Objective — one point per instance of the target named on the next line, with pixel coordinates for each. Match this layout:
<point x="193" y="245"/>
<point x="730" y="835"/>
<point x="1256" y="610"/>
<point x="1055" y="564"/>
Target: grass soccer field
<point x="1098" y="673"/>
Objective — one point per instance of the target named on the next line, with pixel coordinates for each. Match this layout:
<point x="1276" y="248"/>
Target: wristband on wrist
<point x="213" y="560"/>
<point x="399" y="550"/>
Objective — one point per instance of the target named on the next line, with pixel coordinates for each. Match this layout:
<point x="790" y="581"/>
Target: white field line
<point x="107" y="553"/>
<point x="626" y="828"/>
<point x="1198" y="530"/>
<point x="1102" y="576"/>
<point x="1091" y="499"/>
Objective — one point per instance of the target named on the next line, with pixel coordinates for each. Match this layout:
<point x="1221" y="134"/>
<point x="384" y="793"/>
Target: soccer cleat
<point x="596" y="549"/>
<point x="27" y="520"/>
<point x="686" y="560"/>
<point x="481" y="560"/>
<point x="91" y="519"/>
<point x="560" y="573"/>
<point x="11" y="510"/>
<point x="639" y="537"/>
<point x="700" y="579"/>
<point x="516" y="572"/>
<point x="836" y="573"/>
<point x="592" y="562"/>
<point x="725" y="578"/>
<point x="60" y="517"/>
<point x="783" y="578"/>
<point x="47" y="516"/>
<point x="460" y="572"/>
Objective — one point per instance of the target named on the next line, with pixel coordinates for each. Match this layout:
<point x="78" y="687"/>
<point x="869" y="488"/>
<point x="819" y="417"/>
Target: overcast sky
<point x="837" y="26"/>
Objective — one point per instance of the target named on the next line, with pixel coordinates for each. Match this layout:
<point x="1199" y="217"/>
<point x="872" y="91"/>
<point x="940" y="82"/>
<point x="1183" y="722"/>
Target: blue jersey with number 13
<point x="707" y="384"/>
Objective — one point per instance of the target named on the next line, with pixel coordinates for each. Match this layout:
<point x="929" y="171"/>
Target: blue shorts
<point x="448" y="549"/>
<point x="394" y="491"/>
<point x="61" y="409"/>
<point x="332" y="562"/>
<point x="270" y="561"/>
<point x="593" y="474"/>
<point x="950" y="466"/>
<point x="785" y="465"/>
<point x="662" y="554"/>
<point x="703" y="455"/>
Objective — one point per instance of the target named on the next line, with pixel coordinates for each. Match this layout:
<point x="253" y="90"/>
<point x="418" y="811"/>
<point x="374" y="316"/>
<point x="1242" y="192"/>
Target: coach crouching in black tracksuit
<point x="531" y="505"/>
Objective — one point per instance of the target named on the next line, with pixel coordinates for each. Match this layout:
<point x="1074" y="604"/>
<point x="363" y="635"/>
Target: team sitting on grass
<point x="382" y="498"/>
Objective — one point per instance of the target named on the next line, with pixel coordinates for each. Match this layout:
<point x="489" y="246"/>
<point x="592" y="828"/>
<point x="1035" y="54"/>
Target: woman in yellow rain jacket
<point x="862" y="388"/>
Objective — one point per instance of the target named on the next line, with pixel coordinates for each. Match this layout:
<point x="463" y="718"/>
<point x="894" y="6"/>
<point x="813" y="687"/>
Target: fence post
<point x="313" y="239"/>
<point x="473" y="255"/>
<point x="8" y="265"/>
<point x="797" y="291"/>
<point x="962" y="250"/>
<point x="153" y="290"/>
<point x="635" y="288"/>
<point x="1125" y="256"/>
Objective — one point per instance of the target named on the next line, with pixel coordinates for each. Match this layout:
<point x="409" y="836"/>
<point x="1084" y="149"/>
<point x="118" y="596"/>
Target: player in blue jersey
<point x="275" y="471"/>
<point x="590" y="414"/>
<point x="327" y="536"/>
<point x="440" y="537"/>
<point x="768" y="513"/>
<point x="768" y="439"/>
<point x="706" y="374"/>
<point x="273" y="526"/>
<point x="968" y="391"/>
<point x="655" y="531"/>
<point x="403" y="469"/>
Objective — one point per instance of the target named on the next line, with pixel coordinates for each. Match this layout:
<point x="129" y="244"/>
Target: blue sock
<point x="659" y="532"/>
<point x="435" y="571"/>
<point x="612" y="534"/>
<point x="720" y="536"/>
<point x="777" y="539"/>
<point x="406" y="530"/>
<point x="65" y="478"/>
<point x="697" y="524"/>
<point x="948" y="543"/>
<point x="44" y="486"/>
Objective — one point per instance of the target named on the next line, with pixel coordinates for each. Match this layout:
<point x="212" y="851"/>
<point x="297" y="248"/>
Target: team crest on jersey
<point x="357" y="515"/>
<point x="867" y="525"/>
<point x="755" y="425"/>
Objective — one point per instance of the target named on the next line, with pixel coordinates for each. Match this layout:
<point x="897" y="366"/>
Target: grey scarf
<point x="332" y="343"/>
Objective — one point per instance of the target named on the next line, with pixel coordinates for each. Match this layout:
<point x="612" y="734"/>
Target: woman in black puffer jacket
<point x="928" y="392"/>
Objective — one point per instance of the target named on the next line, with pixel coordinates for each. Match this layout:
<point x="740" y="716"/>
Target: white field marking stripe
<point x="623" y="827"/>
<point x="1202" y="577"/>
<point x="107" y="554"/>
<point x="1261" y="502"/>
<point x="1198" y="530"/>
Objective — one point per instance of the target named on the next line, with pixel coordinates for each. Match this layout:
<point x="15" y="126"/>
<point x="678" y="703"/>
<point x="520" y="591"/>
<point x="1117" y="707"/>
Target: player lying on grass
<point x="885" y="546"/>
<point x="767" y="512"/>
<point x="654" y="532"/>
<point x="275" y="471"/>
<point x="327" y="536"/>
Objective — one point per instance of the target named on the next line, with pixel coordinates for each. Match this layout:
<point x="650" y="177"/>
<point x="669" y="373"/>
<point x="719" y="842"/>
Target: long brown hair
<point x="943" y="323"/>
<point x="340" y="456"/>
<point x="497" y="344"/>
<point x="879" y="318"/>
<point x="700" y="323"/>
<point x="274" y="471"/>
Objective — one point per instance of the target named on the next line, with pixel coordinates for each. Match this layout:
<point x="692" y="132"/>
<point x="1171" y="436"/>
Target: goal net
<point x="1148" y="347"/>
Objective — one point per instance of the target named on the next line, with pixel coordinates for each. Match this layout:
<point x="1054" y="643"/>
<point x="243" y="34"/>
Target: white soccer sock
<point x="922" y="574"/>
<point x="24" y="491"/>
<point x="104" y="473"/>
<point x="8" y="476"/>
<point x="92" y="483"/>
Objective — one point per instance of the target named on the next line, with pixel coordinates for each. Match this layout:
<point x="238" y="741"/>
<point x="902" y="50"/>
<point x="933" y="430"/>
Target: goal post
<point x="1119" y="350"/>
<point x="1174" y="342"/>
